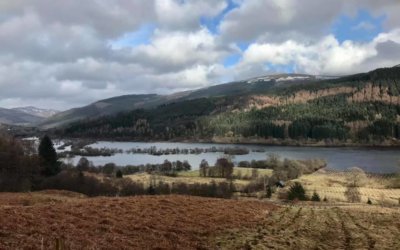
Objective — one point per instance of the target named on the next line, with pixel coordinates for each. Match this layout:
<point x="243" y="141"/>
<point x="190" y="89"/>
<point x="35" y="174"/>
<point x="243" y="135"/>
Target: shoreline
<point x="247" y="141"/>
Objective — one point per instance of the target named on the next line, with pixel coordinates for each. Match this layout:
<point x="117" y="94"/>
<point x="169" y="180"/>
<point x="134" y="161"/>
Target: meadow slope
<point x="143" y="222"/>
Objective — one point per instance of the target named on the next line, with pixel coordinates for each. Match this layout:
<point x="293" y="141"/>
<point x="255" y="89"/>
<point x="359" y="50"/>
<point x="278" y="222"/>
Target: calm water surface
<point x="370" y="159"/>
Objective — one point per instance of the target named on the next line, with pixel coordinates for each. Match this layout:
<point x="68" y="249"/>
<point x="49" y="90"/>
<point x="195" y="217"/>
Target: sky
<point x="64" y="54"/>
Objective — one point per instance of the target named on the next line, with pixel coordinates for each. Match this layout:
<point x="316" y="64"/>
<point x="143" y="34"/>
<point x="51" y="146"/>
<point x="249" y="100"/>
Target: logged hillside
<point x="363" y="108"/>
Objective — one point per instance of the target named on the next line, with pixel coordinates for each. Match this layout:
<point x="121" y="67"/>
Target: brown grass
<point x="333" y="185"/>
<point x="36" y="198"/>
<point x="325" y="227"/>
<point x="144" y="222"/>
<point x="188" y="179"/>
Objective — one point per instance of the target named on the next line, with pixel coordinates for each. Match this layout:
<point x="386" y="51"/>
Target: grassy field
<point x="191" y="177"/>
<point x="332" y="185"/>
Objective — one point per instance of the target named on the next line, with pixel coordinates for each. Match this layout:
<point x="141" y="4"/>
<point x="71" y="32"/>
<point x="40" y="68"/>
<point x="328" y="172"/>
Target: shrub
<point x="352" y="194"/>
<point x="369" y="202"/>
<point x="297" y="192"/>
<point x="78" y="182"/>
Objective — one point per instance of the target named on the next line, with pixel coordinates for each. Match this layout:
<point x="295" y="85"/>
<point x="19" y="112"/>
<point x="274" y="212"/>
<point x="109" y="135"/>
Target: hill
<point x="24" y="115"/>
<point x="352" y="110"/>
<point x="17" y="117"/>
<point x="44" y="113"/>
<point x="131" y="102"/>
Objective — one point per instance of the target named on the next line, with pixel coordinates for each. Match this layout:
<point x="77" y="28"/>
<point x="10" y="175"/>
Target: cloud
<point x="172" y="51"/>
<point x="65" y="54"/>
<point x="280" y="20"/>
<point x="326" y="56"/>
<point x="185" y="15"/>
<point x="364" y="26"/>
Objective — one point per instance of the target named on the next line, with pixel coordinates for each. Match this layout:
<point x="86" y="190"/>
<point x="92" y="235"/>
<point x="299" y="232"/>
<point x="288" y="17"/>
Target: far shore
<point x="388" y="144"/>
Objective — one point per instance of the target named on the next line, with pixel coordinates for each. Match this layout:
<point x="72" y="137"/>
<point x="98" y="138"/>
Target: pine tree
<point x="48" y="156"/>
<point x="315" y="197"/>
<point x="297" y="192"/>
<point x="119" y="174"/>
<point x="269" y="192"/>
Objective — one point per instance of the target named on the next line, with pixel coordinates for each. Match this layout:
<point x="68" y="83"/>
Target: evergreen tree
<point x="119" y="174"/>
<point x="48" y="156"/>
<point x="369" y="202"/>
<point x="315" y="197"/>
<point x="269" y="192"/>
<point x="297" y="192"/>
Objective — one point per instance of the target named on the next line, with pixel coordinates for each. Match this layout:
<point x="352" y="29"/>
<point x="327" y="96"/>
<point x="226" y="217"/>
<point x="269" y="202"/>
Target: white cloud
<point x="172" y="51"/>
<point x="326" y="56"/>
<point x="185" y="15"/>
<point x="306" y="20"/>
<point x="60" y="54"/>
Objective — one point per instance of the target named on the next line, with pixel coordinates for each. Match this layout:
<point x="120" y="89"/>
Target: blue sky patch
<point x="232" y="60"/>
<point x="212" y="24"/>
<point x="361" y="28"/>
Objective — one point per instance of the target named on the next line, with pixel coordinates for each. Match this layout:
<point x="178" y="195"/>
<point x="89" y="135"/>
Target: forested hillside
<point x="362" y="108"/>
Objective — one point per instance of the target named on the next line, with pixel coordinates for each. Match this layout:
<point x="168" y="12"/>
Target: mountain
<point x="353" y="110"/>
<point x="24" y="115"/>
<point x="131" y="102"/>
<point x="44" y="113"/>
<point x="103" y="107"/>
<point x="17" y="117"/>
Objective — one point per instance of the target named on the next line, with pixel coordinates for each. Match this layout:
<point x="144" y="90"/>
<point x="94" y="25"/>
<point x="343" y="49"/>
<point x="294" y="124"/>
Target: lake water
<point x="370" y="159"/>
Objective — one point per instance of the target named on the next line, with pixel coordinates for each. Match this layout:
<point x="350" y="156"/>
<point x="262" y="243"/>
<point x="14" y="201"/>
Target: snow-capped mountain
<point x="281" y="78"/>
<point x="44" y="113"/>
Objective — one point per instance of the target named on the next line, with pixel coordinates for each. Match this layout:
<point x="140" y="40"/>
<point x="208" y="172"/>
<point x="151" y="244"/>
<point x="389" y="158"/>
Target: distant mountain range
<point x="348" y="105"/>
<point x="25" y="115"/>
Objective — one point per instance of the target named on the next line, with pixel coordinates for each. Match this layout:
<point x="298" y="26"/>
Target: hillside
<point x="44" y="113"/>
<point x="131" y="102"/>
<point x="357" y="109"/>
<point x="65" y="220"/>
<point x="144" y="222"/>
<point x="24" y="115"/>
<point x="17" y="117"/>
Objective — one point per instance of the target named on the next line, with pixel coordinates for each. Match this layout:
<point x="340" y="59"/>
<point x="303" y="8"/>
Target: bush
<point x="352" y="194"/>
<point x="78" y="182"/>
<point x="297" y="192"/>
